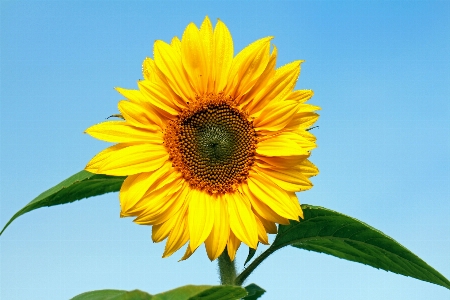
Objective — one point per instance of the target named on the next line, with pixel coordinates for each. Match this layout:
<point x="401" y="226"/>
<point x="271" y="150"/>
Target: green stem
<point x="243" y="276"/>
<point x="227" y="269"/>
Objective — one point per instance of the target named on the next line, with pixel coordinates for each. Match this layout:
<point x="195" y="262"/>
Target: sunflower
<point x="214" y="147"/>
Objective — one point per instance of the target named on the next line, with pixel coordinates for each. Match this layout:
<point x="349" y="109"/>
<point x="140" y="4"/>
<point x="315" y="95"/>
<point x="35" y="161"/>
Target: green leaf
<point x="114" y="295"/>
<point x="222" y="292"/>
<point x="330" y="232"/>
<point x="254" y="292"/>
<point x="187" y="292"/>
<point x="251" y="253"/>
<point x="81" y="185"/>
<point x="326" y="231"/>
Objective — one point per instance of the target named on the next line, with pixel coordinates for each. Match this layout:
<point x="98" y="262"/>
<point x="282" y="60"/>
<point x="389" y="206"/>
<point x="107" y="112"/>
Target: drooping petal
<point x="162" y="231"/>
<point x="135" y="187"/>
<point x="269" y="226"/>
<point x="218" y="238"/>
<point x="262" y="209"/>
<point x="223" y="56"/>
<point x="179" y="234"/>
<point x="123" y="132"/>
<point x="242" y="219"/>
<point x="262" y="234"/>
<point x="187" y="253"/>
<point x="294" y="200"/>
<point x="134" y="159"/>
<point x="272" y="195"/>
<point x="201" y="217"/>
<point x="233" y="245"/>
<point x="163" y="203"/>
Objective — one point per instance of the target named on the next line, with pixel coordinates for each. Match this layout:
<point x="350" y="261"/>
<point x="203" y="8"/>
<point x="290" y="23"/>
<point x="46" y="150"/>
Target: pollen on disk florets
<point x="212" y="143"/>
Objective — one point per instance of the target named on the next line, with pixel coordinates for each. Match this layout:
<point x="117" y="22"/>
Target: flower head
<point x="214" y="146"/>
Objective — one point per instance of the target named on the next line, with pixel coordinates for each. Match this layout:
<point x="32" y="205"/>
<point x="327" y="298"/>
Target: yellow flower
<point x="214" y="146"/>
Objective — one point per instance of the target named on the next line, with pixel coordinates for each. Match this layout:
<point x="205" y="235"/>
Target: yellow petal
<point x="262" y="234"/>
<point x="302" y="120"/>
<point x="187" y="253"/>
<point x="279" y="162"/>
<point x="179" y="234"/>
<point x="268" y="73"/>
<point x="168" y="60"/>
<point x="201" y="217"/>
<point x="162" y="204"/>
<point x="294" y="200"/>
<point x="242" y="219"/>
<point x="282" y="145"/>
<point x="161" y="231"/>
<point x="98" y="160"/>
<point x="247" y="66"/>
<point x="291" y="179"/>
<point x="269" y="226"/>
<point x="300" y="95"/>
<point x="223" y="55"/>
<point x="138" y="115"/>
<point x="194" y="58"/>
<point x="134" y="159"/>
<point x="154" y="75"/>
<point x="276" y="116"/>
<point x="134" y="96"/>
<point x="135" y="186"/>
<point x="207" y="39"/>
<point x="158" y="96"/>
<point x="308" y="168"/>
<point x="272" y="195"/>
<point x="261" y="208"/>
<point x="176" y="44"/>
<point x="281" y="84"/>
<point x="233" y="245"/>
<point x="307" y="107"/>
<point x="123" y="132"/>
<point x="218" y="238"/>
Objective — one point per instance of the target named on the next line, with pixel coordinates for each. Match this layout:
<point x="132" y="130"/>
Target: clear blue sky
<point x="380" y="71"/>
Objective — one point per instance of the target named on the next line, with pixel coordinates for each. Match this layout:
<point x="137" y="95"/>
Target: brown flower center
<point x="212" y="144"/>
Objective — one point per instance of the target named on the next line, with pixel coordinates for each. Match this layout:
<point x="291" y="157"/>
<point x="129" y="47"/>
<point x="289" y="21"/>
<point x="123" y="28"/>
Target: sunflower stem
<point x="243" y="276"/>
<point x="227" y="269"/>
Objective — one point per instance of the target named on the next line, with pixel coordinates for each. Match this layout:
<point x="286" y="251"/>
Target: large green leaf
<point x="333" y="233"/>
<point x="188" y="292"/>
<point x="81" y="185"/>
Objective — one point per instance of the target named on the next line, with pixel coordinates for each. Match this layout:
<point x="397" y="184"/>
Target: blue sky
<point x="380" y="72"/>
